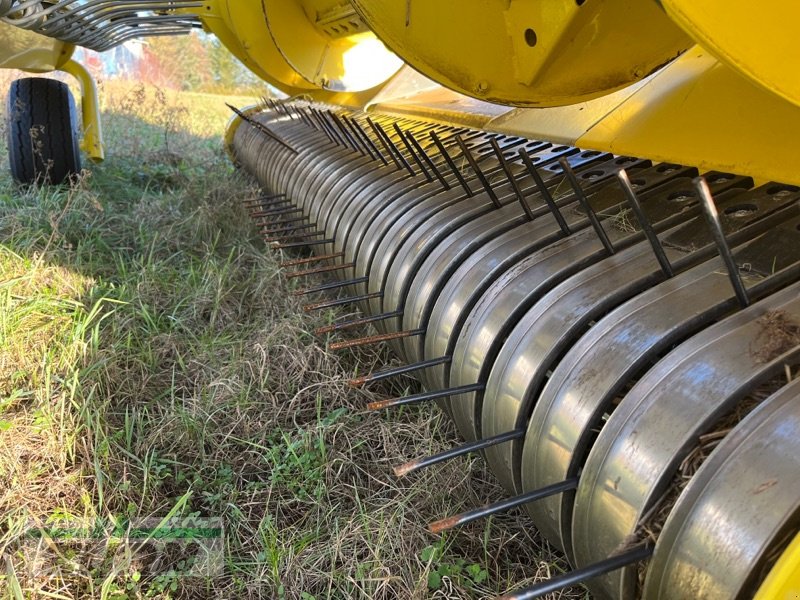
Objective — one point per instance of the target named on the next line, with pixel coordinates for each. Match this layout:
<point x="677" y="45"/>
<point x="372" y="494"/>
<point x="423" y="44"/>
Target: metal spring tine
<point x="502" y="506"/>
<point x="329" y="286"/>
<point x="351" y="123"/>
<point x="375" y="339"/>
<point x="293" y="236"/>
<point x="318" y="270"/>
<point x="348" y="135"/>
<point x="636" y="207"/>
<point x="277" y="211"/>
<point x="434" y="459"/>
<point x="338" y="128"/>
<point x="282" y="222"/>
<point x="309" y="118"/>
<point x="598" y="228"/>
<point x="309" y="260"/>
<point x="341" y="301"/>
<point x="267" y="205"/>
<point x="262" y="128"/>
<point x="425" y="396"/>
<point x="265" y="198"/>
<point x="401" y="370"/>
<point x="512" y="180"/>
<point x="431" y="165"/>
<point x="387" y="145"/>
<point x="368" y="139"/>
<point x="413" y="154"/>
<point x="450" y="163"/>
<point x="294" y="262"/>
<point x="356" y="322"/>
<point x="478" y="171"/>
<point x="302" y="244"/>
<point x="288" y="228"/>
<point x="618" y="561"/>
<point x="544" y="191"/>
<point x="332" y="133"/>
<point x="712" y="217"/>
<point x="324" y="127"/>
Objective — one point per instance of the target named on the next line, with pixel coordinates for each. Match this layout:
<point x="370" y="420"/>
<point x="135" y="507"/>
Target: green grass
<point x="153" y="364"/>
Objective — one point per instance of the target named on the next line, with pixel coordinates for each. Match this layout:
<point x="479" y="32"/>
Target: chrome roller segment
<point x="599" y="368"/>
<point x="752" y="479"/>
<point x="657" y="424"/>
<point x="620" y="357"/>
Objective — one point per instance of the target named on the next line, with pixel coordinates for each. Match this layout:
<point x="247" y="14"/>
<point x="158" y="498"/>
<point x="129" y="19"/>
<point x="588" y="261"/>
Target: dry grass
<point x="153" y="363"/>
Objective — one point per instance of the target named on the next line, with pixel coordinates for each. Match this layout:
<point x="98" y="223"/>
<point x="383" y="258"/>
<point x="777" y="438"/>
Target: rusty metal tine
<point x="332" y="133"/>
<point x="329" y="286"/>
<point x="262" y="128"/>
<point x="450" y="163"/>
<point x="397" y="151"/>
<point x="349" y="123"/>
<point x="341" y="301"/>
<point x="311" y="259"/>
<point x="612" y="563"/>
<point x="394" y="372"/>
<point x="425" y="396"/>
<point x="263" y="226"/>
<point x="277" y="211"/>
<point x="368" y="139"/>
<point x="652" y="237"/>
<point x="469" y="447"/>
<point x="471" y="159"/>
<point x="503" y="505"/>
<point x="413" y="154"/>
<point x="375" y="339"/>
<point x="346" y="133"/>
<point x="323" y="126"/>
<point x="386" y="146"/>
<point x="356" y="322"/>
<point x="288" y="228"/>
<point x="431" y="165"/>
<point x="512" y="180"/>
<point x="302" y="244"/>
<point x="262" y="199"/>
<point x="319" y="270"/>
<point x="324" y="116"/>
<point x="712" y="217"/>
<point x="544" y="191"/>
<point x="293" y="236"/>
<point x="596" y="225"/>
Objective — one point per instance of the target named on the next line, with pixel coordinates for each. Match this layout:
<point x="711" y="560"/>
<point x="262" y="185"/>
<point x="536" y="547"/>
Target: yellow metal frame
<point x="783" y="581"/>
<point x="751" y="37"/>
<point x="696" y="110"/>
<point x="92" y="140"/>
<point x="524" y="53"/>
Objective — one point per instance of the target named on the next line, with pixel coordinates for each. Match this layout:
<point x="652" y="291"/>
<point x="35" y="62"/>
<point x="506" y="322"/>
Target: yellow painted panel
<point x="754" y="38"/>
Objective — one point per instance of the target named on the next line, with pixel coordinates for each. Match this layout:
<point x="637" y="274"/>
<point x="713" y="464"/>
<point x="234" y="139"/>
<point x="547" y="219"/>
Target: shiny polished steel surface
<point x="758" y="461"/>
<point x="658" y="421"/>
<point x="587" y="365"/>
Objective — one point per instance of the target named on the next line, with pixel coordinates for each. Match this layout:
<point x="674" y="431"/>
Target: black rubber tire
<point x="42" y="129"/>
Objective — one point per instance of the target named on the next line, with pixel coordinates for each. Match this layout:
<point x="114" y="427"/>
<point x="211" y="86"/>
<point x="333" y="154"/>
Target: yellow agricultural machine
<point x="575" y="221"/>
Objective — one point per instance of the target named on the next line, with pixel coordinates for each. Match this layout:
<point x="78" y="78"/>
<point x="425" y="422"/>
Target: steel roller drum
<point x="418" y="297"/>
<point x="476" y="274"/>
<point x="401" y="256"/>
<point x="398" y="221"/>
<point x="658" y="422"/>
<point x="582" y="389"/>
<point x="561" y="317"/>
<point x="758" y="461"/>
<point x="517" y="290"/>
<point x="378" y="215"/>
